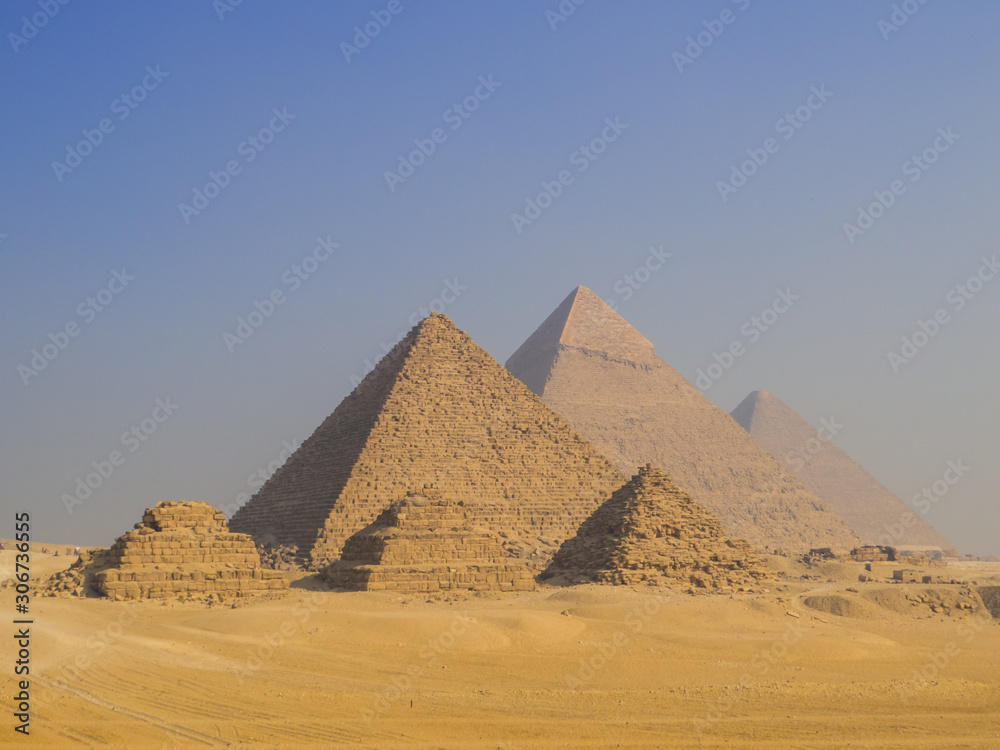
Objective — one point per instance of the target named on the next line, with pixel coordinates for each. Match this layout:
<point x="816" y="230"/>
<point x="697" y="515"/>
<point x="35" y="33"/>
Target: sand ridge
<point x="584" y="666"/>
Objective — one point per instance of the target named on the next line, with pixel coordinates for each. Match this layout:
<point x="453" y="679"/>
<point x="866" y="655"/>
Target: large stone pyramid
<point x="591" y="366"/>
<point x="649" y="531"/>
<point x="426" y="543"/>
<point x="183" y="550"/>
<point x="436" y="411"/>
<point x="873" y="512"/>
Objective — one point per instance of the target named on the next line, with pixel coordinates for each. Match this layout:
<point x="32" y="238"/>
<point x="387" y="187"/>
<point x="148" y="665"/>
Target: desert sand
<point x="809" y="664"/>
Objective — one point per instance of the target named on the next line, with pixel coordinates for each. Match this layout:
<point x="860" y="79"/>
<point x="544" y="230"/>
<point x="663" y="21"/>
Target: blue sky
<point x="315" y="176"/>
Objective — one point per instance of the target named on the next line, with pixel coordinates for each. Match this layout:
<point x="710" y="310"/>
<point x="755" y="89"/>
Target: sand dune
<point x="581" y="667"/>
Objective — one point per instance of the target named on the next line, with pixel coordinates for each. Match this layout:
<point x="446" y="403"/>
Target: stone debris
<point x="437" y="410"/>
<point x="652" y="532"/>
<point x="78" y="578"/>
<point x="181" y="550"/>
<point x="591" y="366"/>
<point x="873" y="553"/>
<point x="426" y="543"/>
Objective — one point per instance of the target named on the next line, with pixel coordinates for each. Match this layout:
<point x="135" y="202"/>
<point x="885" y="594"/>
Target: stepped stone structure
<point x="649" y="531"/>
<point x="426" y="543"/>
<point x="183" y="550"/>
<point x="875" y="514"/>
<point x="436" y="411"/>
<point x="591" y="366"/>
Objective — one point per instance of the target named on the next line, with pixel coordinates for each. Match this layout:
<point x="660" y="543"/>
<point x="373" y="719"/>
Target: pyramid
<point x="436" y="411"/>
<point x="426" y="543"/>
<point x="873" y="512"/>
<point x="651" y="532"/>
<point x="591" y="366"/>
<point x="182" y="550"/>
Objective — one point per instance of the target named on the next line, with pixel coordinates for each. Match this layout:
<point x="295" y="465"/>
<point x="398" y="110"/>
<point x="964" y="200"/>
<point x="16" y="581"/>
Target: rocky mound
<point x="426" y="543"/>
<point x="179" y="550"/>
<point x="650" y="531"/>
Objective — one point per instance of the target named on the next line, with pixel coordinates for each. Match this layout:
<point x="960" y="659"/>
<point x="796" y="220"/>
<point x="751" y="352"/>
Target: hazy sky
<point x="167" y="166"/>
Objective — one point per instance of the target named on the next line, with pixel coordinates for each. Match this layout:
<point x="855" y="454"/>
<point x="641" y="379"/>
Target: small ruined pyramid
<point x="426" y="543"/>
<point x="591" y="366"/>
<point x="649" y="531"/>
<point x="180" y="550"/>
<point x="436" y="411"/>
<point x="873" y="512"/>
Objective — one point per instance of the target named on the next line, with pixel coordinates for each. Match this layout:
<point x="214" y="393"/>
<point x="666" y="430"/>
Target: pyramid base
<point x="487" y="577"/>
<point x="155" y="582"/>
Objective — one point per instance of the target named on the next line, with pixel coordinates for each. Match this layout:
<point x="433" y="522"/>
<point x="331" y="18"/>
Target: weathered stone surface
<point x="649" y="531"/>
<point x="875" y="514"/>
<point x="591" y="366"/>
<point x="183" y="550"/>
<point x="426" y="543"/>
<point x="437" y="410"/>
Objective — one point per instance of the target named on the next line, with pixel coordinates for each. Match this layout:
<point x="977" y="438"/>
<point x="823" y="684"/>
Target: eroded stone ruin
<point x="184" y="549"/>
<point x="652" y="532"/>
<point x="426" y="543"/>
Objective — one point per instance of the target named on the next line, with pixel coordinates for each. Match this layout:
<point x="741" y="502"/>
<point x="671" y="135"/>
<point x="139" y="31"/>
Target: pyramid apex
<point x="581" y="321"/>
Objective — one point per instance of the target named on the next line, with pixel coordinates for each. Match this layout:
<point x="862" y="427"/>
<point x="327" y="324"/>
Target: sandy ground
<point x="580" y="667"/>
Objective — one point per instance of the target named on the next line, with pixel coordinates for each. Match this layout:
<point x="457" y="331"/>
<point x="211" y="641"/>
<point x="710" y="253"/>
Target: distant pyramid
<point x="436" y="411"/>
<point x="602" y="375"/>
<point x="649" y="531"/>
<point x="873" y="512"/>
<point x="425" y="543"/>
